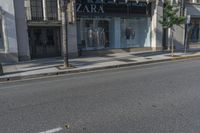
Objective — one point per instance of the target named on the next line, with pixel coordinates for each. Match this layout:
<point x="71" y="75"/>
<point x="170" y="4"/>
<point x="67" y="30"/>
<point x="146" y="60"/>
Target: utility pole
<point x="64" y="18"/>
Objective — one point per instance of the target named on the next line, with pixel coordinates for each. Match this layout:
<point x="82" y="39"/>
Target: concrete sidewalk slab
<point x="47" y="67"/>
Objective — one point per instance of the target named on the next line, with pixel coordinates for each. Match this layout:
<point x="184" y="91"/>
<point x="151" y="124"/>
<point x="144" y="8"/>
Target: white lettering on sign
<point x="91" y="8"/>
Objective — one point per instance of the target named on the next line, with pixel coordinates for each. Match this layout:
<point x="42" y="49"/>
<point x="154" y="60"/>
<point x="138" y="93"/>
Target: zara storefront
<point x="113" y="24"/>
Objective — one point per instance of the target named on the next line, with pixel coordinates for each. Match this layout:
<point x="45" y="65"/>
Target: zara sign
<point x="89" y="8"/>
<point x="111" y="7"/>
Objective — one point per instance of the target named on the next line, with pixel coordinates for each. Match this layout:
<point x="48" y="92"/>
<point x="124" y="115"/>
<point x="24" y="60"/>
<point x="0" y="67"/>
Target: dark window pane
<point x="36" y="10"/>
<point x="52" y="9"/>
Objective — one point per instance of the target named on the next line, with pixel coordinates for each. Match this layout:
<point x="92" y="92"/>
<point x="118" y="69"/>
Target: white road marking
<point x="52" y="130"/>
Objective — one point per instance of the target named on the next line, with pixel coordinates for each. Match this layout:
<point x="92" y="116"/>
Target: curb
<point x="18" y="78"/>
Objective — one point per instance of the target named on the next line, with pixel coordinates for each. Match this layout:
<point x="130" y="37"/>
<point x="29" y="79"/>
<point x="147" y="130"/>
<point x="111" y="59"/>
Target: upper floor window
<point x="52" y="10"/>
<point x="36" y="9"/>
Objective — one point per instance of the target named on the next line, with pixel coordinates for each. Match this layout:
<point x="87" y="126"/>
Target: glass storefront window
<point x="93" y="33"/>
<point x="115" y="32"/>
<point x="135" y="32"/>
<point x="194" y="33"/>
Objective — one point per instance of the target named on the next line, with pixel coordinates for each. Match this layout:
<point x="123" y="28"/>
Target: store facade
<point x="93" y="25"/>
<point x="193" y="9"/>
<point x="113" y="24"/>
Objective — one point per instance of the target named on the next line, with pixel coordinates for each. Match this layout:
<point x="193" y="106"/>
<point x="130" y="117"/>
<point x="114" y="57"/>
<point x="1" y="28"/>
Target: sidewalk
<point x="47" y="67"/>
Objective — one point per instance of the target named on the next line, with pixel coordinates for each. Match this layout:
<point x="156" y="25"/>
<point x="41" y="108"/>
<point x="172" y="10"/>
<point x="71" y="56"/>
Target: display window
<point x="135" y="32"/>
<point x="194" y="33"/>
<point x="93" y="33"/>
<point x="104" y="33"/>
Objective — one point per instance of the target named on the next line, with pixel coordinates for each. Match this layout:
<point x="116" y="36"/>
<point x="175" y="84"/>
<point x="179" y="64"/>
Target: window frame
<point x="36" y="9"/>
<point x="52" y="9"/>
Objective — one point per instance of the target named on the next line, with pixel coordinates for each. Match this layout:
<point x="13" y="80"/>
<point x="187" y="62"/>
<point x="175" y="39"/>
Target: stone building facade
<point x="31" y="29"/>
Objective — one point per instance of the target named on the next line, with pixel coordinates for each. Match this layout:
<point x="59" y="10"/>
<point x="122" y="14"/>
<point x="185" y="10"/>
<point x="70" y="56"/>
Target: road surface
<point x="157" y="98"/>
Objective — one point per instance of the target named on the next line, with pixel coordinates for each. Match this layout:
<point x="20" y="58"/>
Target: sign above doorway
<point x="109" y="7"/>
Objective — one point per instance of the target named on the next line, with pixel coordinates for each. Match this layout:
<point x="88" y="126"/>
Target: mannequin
<point x="90" y="37"/>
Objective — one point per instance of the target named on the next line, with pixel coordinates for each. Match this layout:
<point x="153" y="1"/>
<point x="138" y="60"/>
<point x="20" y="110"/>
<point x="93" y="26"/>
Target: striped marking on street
<point x="53" y="130"/>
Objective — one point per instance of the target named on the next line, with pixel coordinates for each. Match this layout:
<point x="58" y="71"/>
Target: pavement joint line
<point x="53" y="130"/>
<point x="18" y="78"/>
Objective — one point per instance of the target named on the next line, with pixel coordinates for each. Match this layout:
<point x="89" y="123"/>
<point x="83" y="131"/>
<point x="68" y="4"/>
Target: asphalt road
<point x="159" y="98"/>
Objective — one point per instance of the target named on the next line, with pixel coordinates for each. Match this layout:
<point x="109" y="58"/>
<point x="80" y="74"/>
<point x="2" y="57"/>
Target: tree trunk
<point x="64" y="37"/>
<point x="170" y="40"/>
<point x="172" y="49"/>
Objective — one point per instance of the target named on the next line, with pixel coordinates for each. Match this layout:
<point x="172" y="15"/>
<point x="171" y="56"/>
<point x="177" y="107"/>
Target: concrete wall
<point x="156" y="27"/>
<point x="72" y="40"/>
<point x="72" y="32"/>
<point x="10" y="53"/>
<point x="179" y="36"/>
<point x="21" y="26"/>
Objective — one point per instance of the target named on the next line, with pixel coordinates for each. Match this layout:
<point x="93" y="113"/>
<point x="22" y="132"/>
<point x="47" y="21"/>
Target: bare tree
<point x="64" y="19"/>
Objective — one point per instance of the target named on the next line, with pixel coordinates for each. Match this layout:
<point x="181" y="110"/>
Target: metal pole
<point x="172" y="32"/>
<point x="1" y="69"/>
<point x="186" y="37"/>
<point x="64" y="32"/>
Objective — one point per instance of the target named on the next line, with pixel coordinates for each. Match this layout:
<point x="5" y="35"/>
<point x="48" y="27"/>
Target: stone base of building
<point x="111" y="51"/>
<point x="73" y="55"/>
<point x="157" y="49"/>
<point x="24" y="58"/>
<point x="9" y="58"/>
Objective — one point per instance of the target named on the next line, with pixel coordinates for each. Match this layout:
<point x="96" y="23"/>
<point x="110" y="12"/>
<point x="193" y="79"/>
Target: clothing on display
<point x="130" y="34"/>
